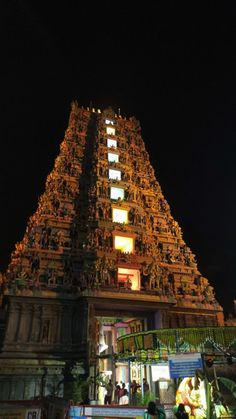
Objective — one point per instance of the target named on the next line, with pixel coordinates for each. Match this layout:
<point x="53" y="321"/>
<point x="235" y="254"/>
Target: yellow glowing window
<point x="125" y="244"/>
<point x="111" y="143"/>
<point x="119" y="215"/>
<point x="113" y="158"/>
<point x="114" y="174"/>
<point x="117" y="193"/>
<point x="129" y="278"/>
<point x="110" y="131"/>
<point x="109" y="122"/>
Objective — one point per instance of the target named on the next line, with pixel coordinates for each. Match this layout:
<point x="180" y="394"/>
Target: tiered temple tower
<point x="102" y="244"/>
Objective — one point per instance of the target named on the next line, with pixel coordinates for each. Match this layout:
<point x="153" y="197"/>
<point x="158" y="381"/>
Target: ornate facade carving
<point x="102" y="228"/>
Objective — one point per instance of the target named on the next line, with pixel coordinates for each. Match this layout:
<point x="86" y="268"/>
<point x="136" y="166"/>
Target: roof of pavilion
<point x="156" y="345"/>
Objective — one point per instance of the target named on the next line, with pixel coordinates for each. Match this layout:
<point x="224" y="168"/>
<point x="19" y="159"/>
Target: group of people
<point x="119" y="393"/>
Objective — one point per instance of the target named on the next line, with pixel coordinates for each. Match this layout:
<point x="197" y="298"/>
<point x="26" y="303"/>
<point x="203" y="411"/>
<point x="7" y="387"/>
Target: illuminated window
<point x="125" y="244"/>
<point x="110" y="131"/>
<point x="114" y="174"/>
<point x="113" y="157"/>
<point x="119" y="215"/>
<point x="129" y="278"/>
<point x="117" y="193"/>
<point x="109" y="122"/>
<point x="111" y="143"/>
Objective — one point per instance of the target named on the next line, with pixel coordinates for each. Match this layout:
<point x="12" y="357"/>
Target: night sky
<point x="171" y="67"/>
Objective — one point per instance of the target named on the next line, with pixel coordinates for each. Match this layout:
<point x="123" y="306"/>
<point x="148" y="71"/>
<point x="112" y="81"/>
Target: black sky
<point x="173" y="68"/>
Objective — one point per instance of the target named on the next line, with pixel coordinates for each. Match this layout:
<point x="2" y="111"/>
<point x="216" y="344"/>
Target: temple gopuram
<point x="101" y="257"/>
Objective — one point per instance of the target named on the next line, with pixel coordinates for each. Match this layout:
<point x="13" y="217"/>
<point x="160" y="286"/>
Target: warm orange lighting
<point x="110" y="131"/>
<point x="129" y="278"/>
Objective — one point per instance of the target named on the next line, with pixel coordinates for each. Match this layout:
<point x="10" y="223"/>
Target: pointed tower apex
<point x="74" y="106"/>
<point x="74" y="113"/>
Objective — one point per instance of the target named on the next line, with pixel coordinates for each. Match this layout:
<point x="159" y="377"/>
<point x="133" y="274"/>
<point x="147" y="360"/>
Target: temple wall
<point x="44" y="325"/>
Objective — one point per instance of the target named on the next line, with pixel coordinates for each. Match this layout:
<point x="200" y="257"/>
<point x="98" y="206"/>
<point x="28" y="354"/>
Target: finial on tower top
<point x="74" y="112"/>
<point x="74" y="106"/>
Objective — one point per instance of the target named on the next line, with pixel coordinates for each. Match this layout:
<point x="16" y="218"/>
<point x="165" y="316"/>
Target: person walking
<point x="145" y="386"/>
<point x="133" y="391"/>
<point x="125" y="398"/>
<point x="117" y="393"/>
<point x="108" y="396"/>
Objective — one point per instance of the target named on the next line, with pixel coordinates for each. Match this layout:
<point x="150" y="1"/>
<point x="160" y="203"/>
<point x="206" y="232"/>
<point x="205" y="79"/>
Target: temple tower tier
<point x="101" y="249"/>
